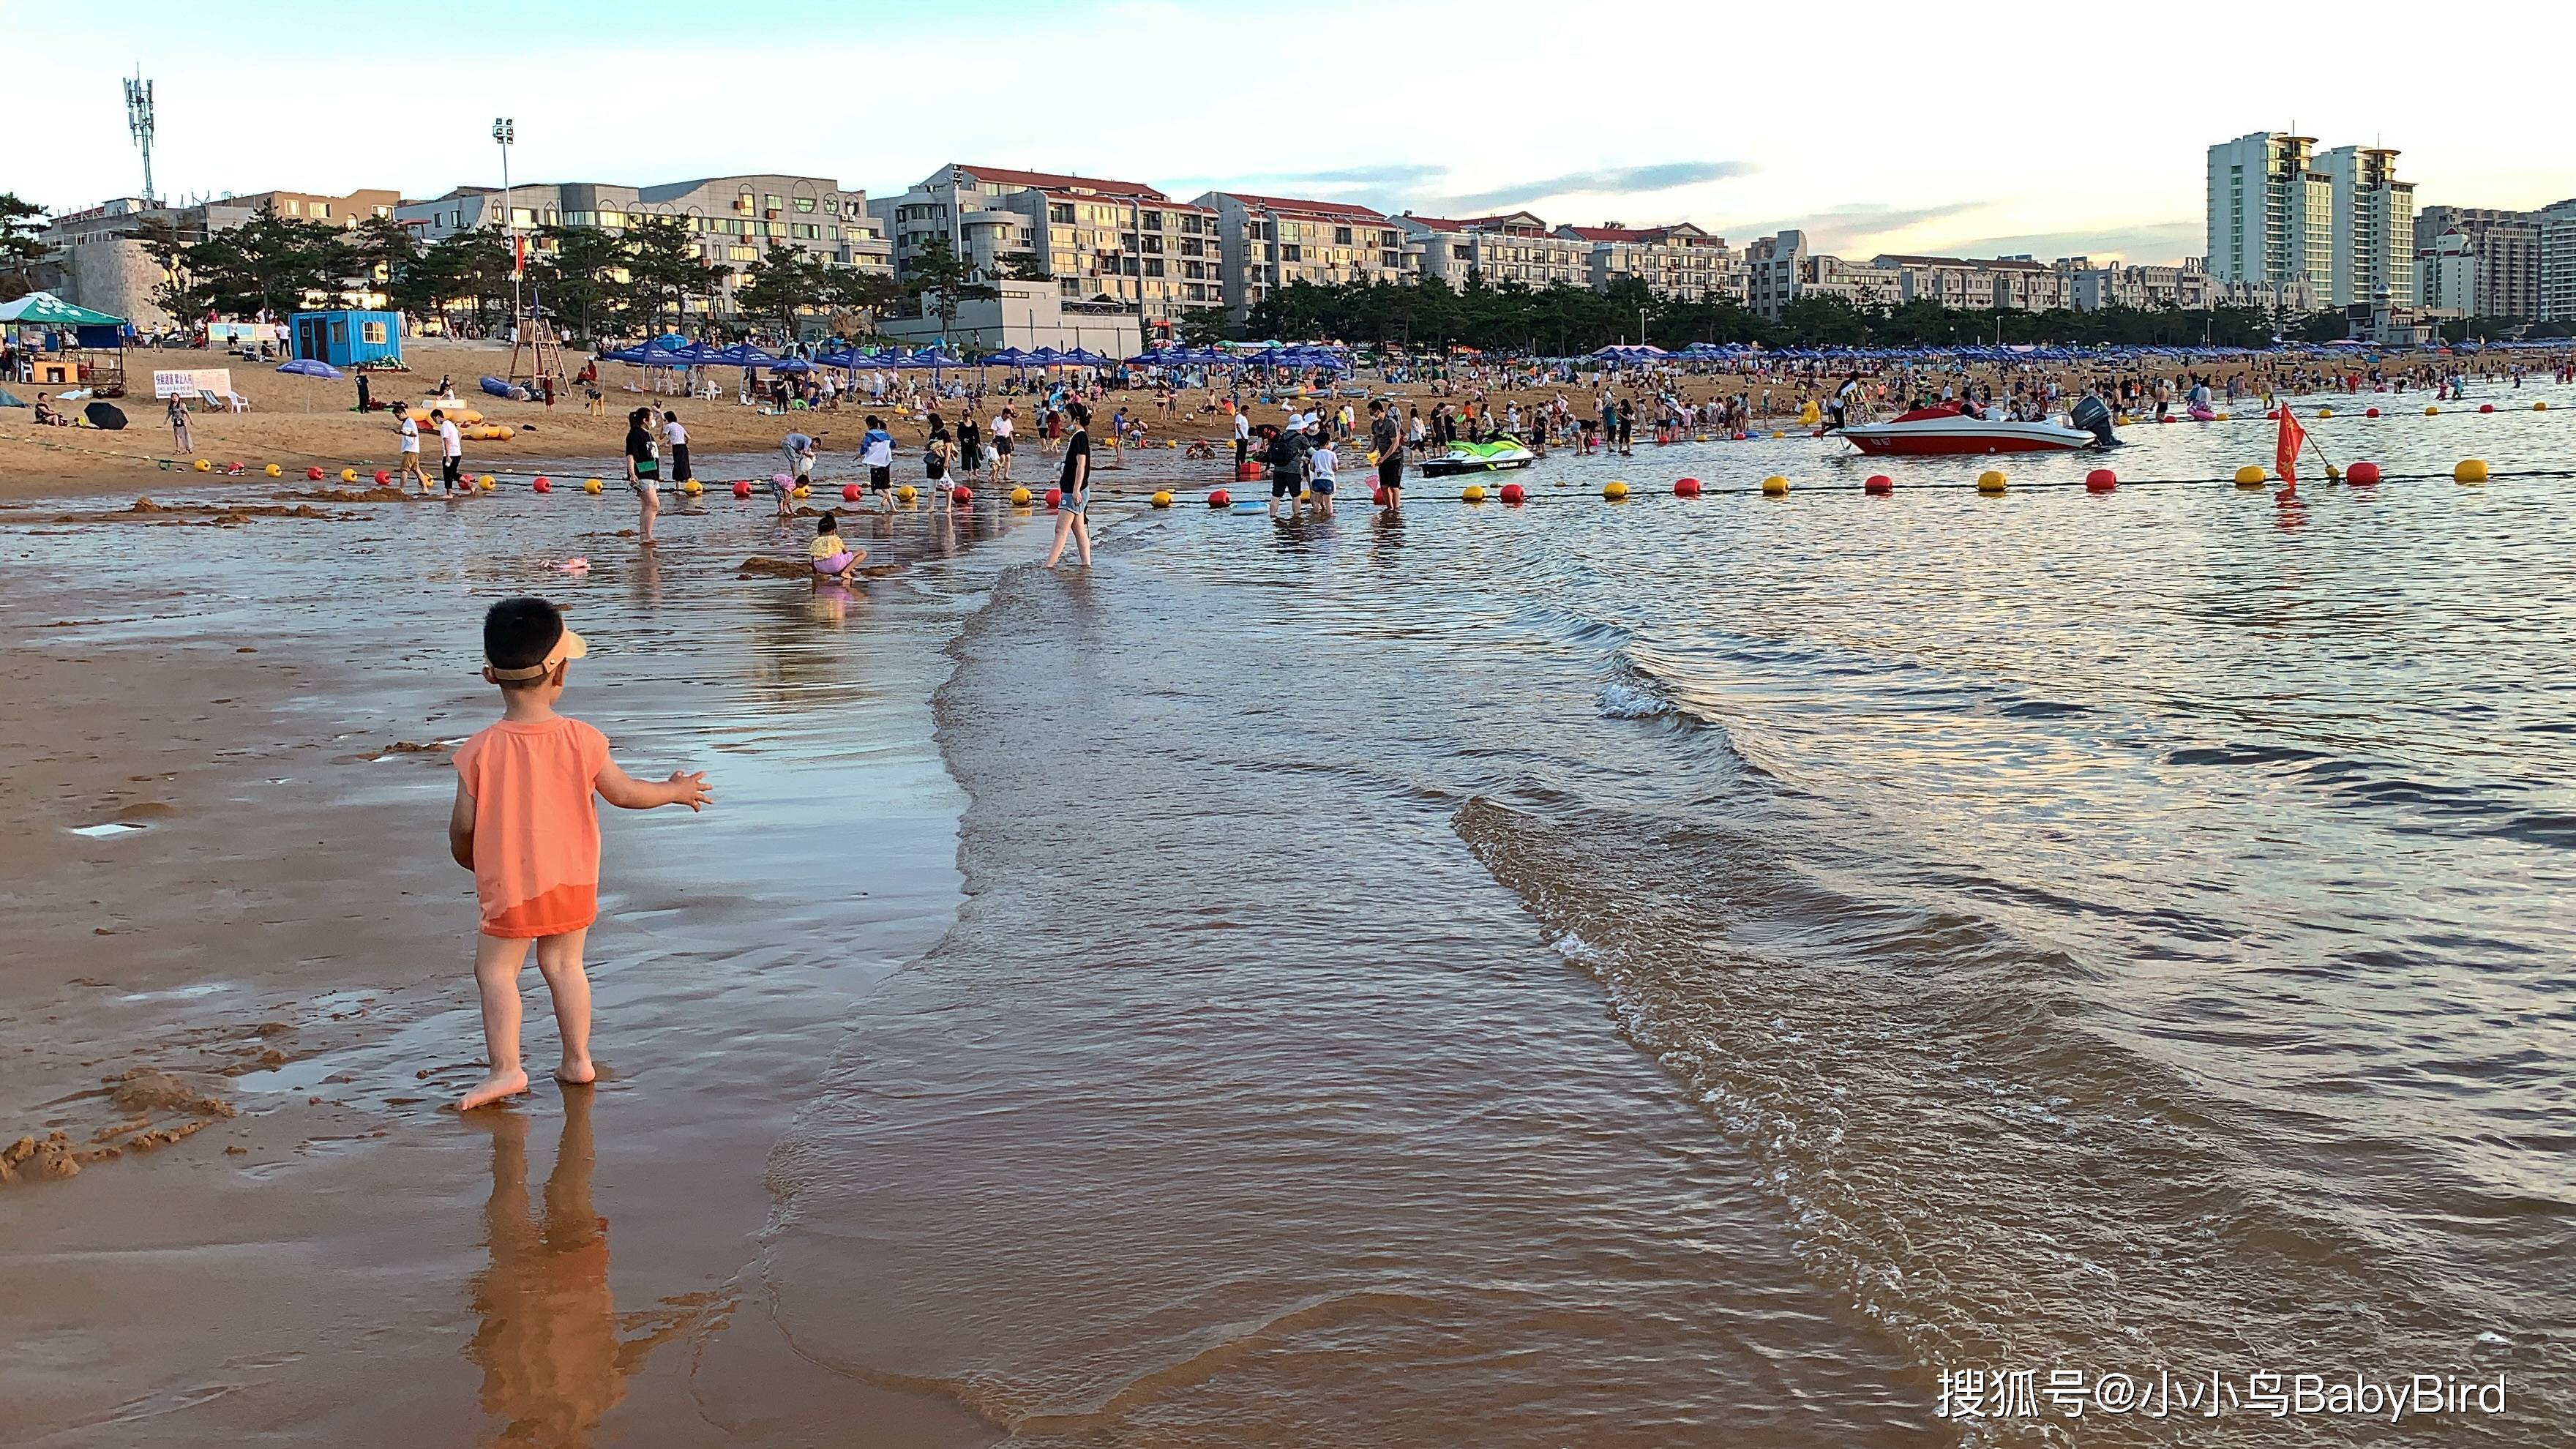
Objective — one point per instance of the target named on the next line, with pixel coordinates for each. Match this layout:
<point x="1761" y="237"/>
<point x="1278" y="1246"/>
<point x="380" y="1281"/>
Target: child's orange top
<point x="536" y="829"/>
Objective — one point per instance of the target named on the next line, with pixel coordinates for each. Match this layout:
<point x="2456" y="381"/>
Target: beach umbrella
<point x="308" y="367"/>
<point x="104" y="416"/>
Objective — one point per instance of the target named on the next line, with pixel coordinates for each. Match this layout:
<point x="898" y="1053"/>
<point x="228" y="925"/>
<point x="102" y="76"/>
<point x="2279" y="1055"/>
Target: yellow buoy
<point x="590" y="485"/>
<point x="1472" y="493"/>
<point x="2471" y="470"/>
<point x="204" y="467"/>
<point x="273" y="470"/>
<point x="1162" y="498"/>
<point x="2325" y="412"/>
<point x="2222" y="417"/>
<point x="2540" y="407"/>
<point x="2124" y="420"/>
<point x="2432" y="412"/>
<point x="1775" y="432"/>
<point x="2333" y="472"/>
<point x="1614" y="490"/>
<point x="2250" y="476"/>
<point x="906" y="493"/>
<point x="1020" y="497"/>
<point x="693" y="488"/>
<point x="1775" y="486"/>
<point x="348" y="475"/>
<point x="1991" y="481"/>
<point x="487" y="482"/>
<point x="804" y="491"/>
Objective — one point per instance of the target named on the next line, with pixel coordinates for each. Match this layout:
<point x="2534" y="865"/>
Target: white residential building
<point x="2373" y="232"/>
<point x="1679" y="261"/>
<point x="2557" y="261"/>
<point x="2013" y="284"/>
<point x="2270" y="212"/>
<point x="1512" y="247"/>
<point x="1277" y="241"/>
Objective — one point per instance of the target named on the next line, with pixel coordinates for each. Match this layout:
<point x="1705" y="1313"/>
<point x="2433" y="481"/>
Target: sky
<point x="1874" y="126"/>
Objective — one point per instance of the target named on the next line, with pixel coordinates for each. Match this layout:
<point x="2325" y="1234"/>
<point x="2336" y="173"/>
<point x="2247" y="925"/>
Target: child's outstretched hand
<point x="691" y="790"/>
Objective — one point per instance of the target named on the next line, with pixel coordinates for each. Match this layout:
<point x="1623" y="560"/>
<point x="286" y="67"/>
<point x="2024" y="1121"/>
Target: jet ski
<point x="1500" y="455"/>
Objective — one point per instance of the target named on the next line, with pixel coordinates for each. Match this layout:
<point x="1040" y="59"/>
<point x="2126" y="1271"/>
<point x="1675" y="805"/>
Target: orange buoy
<point x="1878" y="485"/>
<point x="2362" y="473"/>
<point x="2101" y="480"/>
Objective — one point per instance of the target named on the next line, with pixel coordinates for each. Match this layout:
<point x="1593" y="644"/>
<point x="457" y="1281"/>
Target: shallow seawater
<point x="1702" y="972"/>
<point x="1672" y="972"/>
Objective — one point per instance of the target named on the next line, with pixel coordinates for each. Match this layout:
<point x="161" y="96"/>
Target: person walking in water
<point x="1073" y="487"/>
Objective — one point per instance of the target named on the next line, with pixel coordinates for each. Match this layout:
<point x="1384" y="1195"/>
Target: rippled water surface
<point x="1700" y="971"/>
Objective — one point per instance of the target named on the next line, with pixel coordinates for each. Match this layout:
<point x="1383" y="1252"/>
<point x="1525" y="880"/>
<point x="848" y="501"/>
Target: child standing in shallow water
<point x="525" y="825"/>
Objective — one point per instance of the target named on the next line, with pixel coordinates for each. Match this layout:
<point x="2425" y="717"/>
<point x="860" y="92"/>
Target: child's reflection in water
<point x="549" y="1345"/>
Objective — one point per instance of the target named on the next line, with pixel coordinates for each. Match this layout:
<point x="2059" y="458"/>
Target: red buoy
<point x="1220" y="499"/>
<point x="543" y="485"/>
<point x="2101" y="480"/>
<point x="961" y="494"/>
<point x="383" y="477"/>
<point x="1513" y="494"/>
<point x="2486" y="407"/>
<point x="2370" y="413"/>
<point x="1055" y="498"/>
<point x="1378" y="497"/>
<point x="2168" y="418"/>
<point x="742" y="488"/>
<point x="315" y="474"/>
<point x="2362" y="473"/>
<point x="849" y="493"/>
<point x="1686" y="488"/>
<point x="1879" y="484"/>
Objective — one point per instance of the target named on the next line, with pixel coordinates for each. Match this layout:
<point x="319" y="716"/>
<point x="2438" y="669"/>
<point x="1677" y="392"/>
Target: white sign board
<point x="190" y="381"/>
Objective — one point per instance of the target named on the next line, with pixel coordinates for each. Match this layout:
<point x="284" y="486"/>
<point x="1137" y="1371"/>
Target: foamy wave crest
<point x="1629" y="698"/>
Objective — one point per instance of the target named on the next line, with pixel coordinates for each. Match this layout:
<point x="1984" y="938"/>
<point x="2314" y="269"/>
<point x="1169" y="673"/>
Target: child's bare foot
<point x="493" y="1088"/>
<point x="577" y="1074"/>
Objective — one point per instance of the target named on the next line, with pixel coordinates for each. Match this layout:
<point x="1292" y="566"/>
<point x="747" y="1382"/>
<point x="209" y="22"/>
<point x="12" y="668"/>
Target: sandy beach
<point x="1453" y="980"/>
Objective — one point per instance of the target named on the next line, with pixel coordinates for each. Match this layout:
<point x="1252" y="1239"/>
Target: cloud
<point x="1618" y="181"/>
<point x="1846" y="230"/>
<point x="1367" y="176"/>
<point x="2151" y="243"/>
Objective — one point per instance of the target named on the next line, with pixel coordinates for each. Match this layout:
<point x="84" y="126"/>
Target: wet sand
<point x="285" y="949"/>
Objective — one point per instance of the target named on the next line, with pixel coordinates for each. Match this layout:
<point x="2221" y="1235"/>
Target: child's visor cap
<point x="569" y="646"/>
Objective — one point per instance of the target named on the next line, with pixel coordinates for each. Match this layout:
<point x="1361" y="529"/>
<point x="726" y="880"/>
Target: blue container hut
<point x="347" y="338"/>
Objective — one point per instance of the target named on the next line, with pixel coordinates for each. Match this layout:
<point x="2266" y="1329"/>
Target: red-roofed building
<point x="1679" y="261"/>
<point x="1099" y="240"/>
<point x="1514" y="246"/>
<point x="1275" y="241"/>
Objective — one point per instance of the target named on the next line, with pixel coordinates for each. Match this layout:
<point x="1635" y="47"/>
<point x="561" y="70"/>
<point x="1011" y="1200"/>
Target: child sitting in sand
<point x="831" y="555"/>
<point x="525" y="825"/>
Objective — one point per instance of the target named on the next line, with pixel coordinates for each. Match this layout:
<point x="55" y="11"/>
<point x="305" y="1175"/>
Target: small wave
<point x="1631" y="699"/>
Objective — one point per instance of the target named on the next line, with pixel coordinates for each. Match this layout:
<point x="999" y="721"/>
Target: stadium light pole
<point x="505" y="132"/>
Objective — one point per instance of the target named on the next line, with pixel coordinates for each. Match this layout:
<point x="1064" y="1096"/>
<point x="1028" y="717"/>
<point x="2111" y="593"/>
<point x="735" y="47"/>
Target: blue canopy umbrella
<point x="308" y="367"/>
<point x="1046" y="357"/>
<point x="792" y="365"/>
<point x="1085" y="357"/>
<point x="740" y="354"/>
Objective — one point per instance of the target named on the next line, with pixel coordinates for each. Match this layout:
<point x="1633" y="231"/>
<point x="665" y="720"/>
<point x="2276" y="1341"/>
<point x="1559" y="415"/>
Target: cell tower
<point x="138" y="120"/>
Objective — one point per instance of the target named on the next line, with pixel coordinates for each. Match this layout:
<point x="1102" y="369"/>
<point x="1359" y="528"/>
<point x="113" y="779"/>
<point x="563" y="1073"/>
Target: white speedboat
<point x="1931" y="431"/>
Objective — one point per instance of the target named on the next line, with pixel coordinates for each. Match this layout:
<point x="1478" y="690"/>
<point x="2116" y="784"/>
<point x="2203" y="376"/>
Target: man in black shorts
<point x="1287" y="456"/>
<point x="1387" y="441"/>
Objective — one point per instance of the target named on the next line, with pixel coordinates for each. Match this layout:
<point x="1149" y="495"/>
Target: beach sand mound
<point x="776" y="568"/>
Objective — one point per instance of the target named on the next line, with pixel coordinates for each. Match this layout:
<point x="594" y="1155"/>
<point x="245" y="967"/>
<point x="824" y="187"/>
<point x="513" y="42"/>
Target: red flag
<point x="2285" y="459"/>
<point x="518" y="255"/>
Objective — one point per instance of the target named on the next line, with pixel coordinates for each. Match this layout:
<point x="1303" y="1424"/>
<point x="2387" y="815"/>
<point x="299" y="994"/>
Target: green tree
<point x="268" y="264"/>
<point x="583" y="274"/>
<point x="868" y="293"/>
<point x="666" y="267"/>
<point x="1200" y="326"/>
<point x="785" y="283"/>
<point x="940" y="280"/>
<point x="471" y="267"/>
<point x="19" y="249"/>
